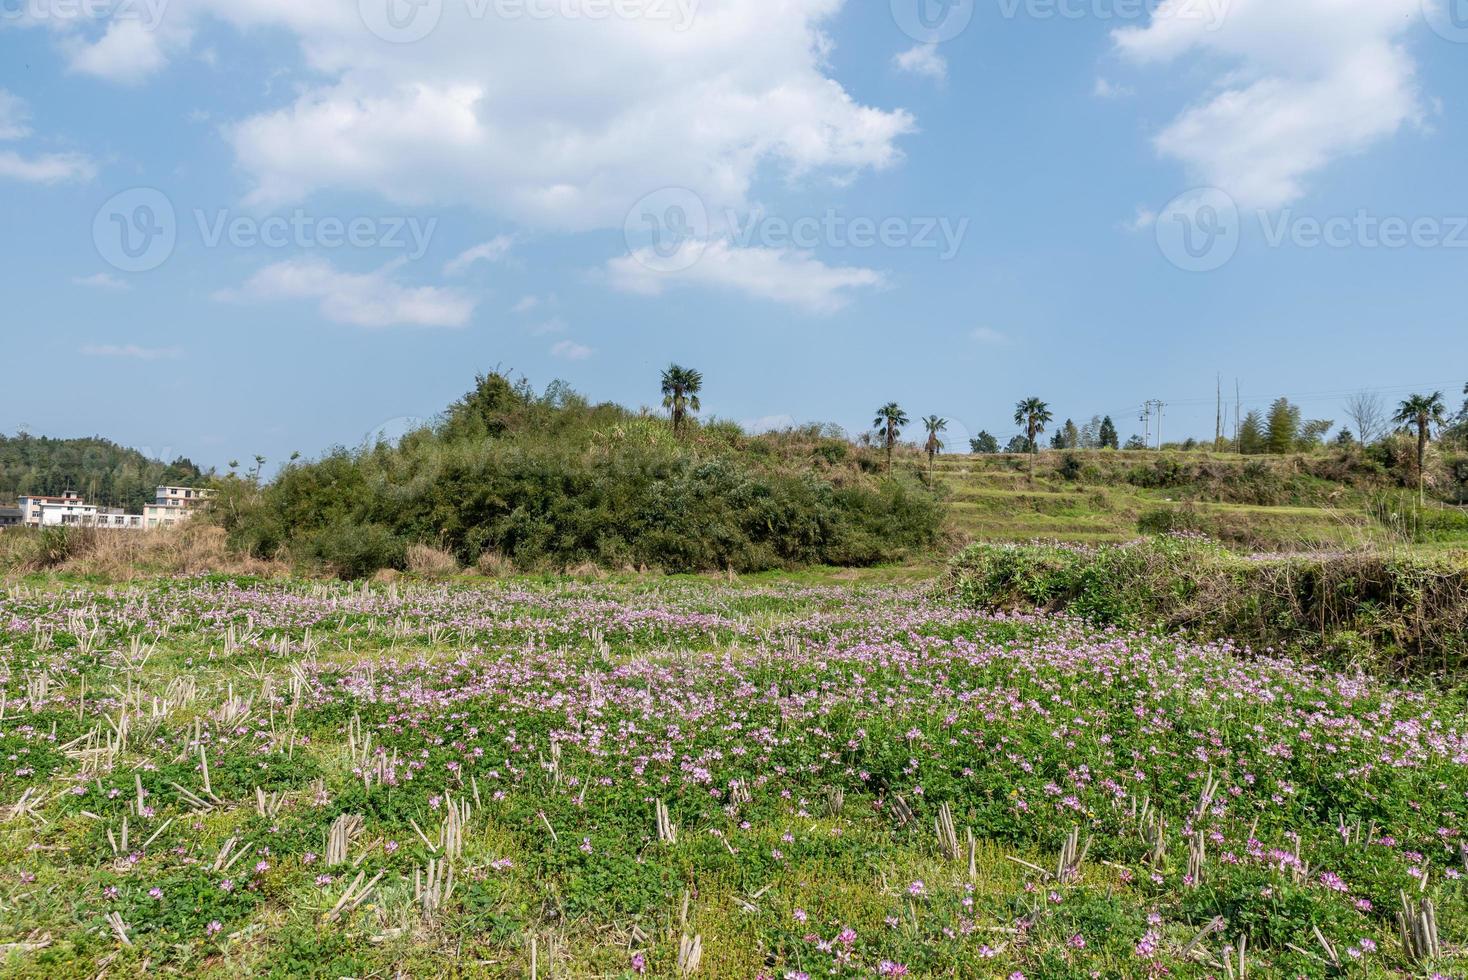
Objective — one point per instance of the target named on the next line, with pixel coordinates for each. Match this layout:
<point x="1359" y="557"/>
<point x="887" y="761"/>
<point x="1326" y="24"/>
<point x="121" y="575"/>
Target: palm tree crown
<point x="1032" y="415"/>
<point x="889" y="421"/>
<point x="934" y="445"/>
<point x="1423" y="412"/>
<point x="681" y="386"/>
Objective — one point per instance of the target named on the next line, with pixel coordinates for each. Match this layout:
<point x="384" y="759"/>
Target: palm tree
<point x="1032" y="415"/>
<point x="1422" y="411"/>
<point x="889" y="422"/>
<point x="681" y="386"/>
<point x="934" y="446"/>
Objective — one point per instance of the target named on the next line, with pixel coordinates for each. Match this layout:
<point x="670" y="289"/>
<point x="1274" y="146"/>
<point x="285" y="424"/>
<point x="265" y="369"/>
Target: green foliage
<point x="1108" y="434"/>
<point x="102" y="471"/>
<point x="1409" y="614"/>
<point x="984" y="443"/>
<point x="1283" y="428"/>
<point x="550" y="482"/>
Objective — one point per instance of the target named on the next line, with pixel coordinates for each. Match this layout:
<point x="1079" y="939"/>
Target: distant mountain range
<point x="102" y="471"/>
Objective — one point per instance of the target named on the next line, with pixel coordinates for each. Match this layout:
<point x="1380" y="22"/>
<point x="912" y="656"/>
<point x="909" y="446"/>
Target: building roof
<point x="10" y="512"/>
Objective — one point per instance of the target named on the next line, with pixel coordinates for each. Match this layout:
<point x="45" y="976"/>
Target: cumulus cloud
<point x="371" y="299"/>
<point x="780" y="275"/>
<point x="560" y="122"/>
<point x="924" y="60"/>
<point x="1298" y="85"/>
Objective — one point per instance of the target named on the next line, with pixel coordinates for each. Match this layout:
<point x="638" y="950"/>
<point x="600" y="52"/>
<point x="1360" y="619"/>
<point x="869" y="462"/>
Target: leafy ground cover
<point x="226" y="778"/>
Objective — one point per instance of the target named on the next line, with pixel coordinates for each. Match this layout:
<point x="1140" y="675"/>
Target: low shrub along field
<point x="226" y="778"/>
<point x="1408" y="613"/>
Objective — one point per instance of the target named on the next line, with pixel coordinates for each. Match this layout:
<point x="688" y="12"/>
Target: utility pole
<point x="1238" y="415"/>
<point x="1160" y="407"/>
<point x="1218" y="418"/>
<point x="1148" y="408"/>
<point x="1146" y="419"/>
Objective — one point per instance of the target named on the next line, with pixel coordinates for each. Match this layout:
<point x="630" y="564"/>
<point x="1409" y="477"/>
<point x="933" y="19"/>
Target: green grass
<point x="802" y="734"/>
<point x="994" y="499"/>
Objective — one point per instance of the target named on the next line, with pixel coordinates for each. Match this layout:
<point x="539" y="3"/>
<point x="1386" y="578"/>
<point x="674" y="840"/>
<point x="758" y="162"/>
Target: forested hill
<point x="102" y="471"/>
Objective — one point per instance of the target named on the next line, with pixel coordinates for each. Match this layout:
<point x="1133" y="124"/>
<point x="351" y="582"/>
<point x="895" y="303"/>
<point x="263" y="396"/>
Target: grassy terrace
<point x="1260" y="502"/>
<point x="681" y="777"/>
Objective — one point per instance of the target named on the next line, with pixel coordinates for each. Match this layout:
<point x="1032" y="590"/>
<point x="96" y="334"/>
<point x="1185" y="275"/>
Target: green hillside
<point x="1287" y="503"/>
<point x="102" y="471"/>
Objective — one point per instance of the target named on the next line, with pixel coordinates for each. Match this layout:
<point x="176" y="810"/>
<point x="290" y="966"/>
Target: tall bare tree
<point x="1368" y="414"/>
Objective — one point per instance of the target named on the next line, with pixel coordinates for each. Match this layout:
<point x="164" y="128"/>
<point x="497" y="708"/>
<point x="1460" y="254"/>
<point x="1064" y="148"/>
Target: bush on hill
<point x="550" y="481"/>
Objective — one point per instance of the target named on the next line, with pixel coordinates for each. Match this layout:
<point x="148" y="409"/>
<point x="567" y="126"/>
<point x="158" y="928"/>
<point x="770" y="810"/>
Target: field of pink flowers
<point x="216" y="778"/>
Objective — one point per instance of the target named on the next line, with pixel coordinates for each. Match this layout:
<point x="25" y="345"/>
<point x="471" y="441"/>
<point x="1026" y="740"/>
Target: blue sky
<point x="260" y="226"/>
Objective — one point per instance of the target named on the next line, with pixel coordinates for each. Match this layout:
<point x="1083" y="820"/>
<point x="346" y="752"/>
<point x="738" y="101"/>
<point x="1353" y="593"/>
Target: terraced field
<point x="993" y="498"/>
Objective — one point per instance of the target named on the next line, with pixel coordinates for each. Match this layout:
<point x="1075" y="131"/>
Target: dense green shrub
<point x="1409" y="613"/>
<point x="549" y="482"/>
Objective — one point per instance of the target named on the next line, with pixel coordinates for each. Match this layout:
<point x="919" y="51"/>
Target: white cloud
<point x="526" y="304"/>
<point x="561" y="122"/>
<point x="359" y="299"/>
<point x="102" y="280"/>
<point x="1144" y="218"/>
<point x="45" y="168"/>
<point x="132" y="352"/>
<point x="553" y="325"/>
<point x="781" y="275"/>
<point x="569" y="350"/>
<point x="1299" y="84"/>
<point x="128" y="51"/>
<point x="14" y="117"/>
<point x="491" y="251"/>
<point x="924" y="60"/>
<point x="1105" y="89"/>
<point x="990" y="336"/>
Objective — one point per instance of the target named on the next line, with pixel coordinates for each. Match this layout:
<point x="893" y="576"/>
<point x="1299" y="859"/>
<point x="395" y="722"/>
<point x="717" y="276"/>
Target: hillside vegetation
<point x="549" y="481"/>
<point x="102" y="471"/>
<point x="1329" y="499"/>
<point x="1402" y="612"/>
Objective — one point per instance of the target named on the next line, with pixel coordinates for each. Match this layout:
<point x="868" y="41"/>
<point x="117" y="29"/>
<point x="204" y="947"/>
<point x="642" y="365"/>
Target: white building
<point x="171" y="505"/>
